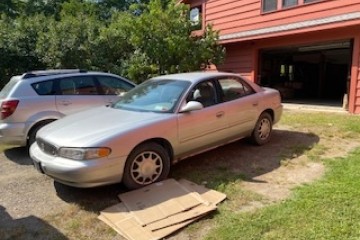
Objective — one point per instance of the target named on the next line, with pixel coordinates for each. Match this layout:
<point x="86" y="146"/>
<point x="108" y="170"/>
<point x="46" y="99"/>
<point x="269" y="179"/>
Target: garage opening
<point x="313" y="73"/>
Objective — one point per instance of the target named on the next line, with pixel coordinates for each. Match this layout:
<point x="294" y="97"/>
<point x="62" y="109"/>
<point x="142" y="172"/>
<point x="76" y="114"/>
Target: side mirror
<point x="191" y="106"/>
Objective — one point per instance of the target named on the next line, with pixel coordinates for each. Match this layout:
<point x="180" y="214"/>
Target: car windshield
<point x="153" y="96"/>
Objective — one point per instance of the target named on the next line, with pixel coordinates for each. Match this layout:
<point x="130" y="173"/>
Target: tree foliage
<point x="134" y="38"/>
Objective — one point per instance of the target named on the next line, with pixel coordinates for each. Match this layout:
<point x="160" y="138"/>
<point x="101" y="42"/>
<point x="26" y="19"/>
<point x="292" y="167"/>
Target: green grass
<point x="328" y="124"/>
<point x="326" y="209"/>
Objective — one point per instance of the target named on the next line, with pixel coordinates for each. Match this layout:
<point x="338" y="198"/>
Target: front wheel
<point x="263" y="129"/>
<point x="146" y="164"/>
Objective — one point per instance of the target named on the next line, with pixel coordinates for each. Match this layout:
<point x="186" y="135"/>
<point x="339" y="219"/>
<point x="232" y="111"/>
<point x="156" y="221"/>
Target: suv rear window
<point x="44" y="88"/>
<point x="7" y="88"/>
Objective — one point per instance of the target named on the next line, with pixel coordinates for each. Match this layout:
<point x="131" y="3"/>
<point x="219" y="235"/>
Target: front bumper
<point x="84" y="174"/>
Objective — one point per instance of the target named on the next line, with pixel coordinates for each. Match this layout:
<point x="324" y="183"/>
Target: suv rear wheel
<point x="34" y="130"/>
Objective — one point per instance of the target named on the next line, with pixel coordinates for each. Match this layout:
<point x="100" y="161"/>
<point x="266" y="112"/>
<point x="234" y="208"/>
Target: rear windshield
<point x="8" y="87"/>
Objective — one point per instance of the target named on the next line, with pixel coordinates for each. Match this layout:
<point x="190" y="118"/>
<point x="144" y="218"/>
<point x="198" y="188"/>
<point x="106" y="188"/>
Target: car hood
<point x="92" y="127"/>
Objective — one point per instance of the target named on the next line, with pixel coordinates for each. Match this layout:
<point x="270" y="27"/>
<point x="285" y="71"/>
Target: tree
<point x="46" y="7"/>
<point x="69" y="42"/>
<point x="18" y="43"/>
<point x="10" y="8"/>
<point x="147" y="39"/>
<point x="162" y="42"/>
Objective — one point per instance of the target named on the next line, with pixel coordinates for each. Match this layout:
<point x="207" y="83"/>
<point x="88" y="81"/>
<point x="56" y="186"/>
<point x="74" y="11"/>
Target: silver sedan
<point x="163" y="120"/>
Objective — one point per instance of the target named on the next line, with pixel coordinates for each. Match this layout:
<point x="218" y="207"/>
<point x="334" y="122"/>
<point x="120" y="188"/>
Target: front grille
<point x="46" y="147"/>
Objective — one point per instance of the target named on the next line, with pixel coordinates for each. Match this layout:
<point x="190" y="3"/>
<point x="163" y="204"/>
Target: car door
<point x="112" y="88"/>
<point x="240" y="104"/>
<point x="203" y="128"/>
<point x="77" y="93"/>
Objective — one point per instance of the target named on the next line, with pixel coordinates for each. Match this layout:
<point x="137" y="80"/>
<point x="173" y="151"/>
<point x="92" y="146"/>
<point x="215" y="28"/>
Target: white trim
<point x="293" y="26"/>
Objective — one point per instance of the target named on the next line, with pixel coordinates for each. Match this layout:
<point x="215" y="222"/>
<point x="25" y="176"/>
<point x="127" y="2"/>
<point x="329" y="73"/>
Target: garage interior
<point x="314" y="74"/>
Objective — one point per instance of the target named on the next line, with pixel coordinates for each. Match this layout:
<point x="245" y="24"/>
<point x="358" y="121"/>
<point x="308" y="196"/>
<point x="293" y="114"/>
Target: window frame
<point x="201" y="6"/>
<point x="96" y="85"/>
<point x="280" y="5"/>
<point x="191" y="93"/>
<point x="53" y="88"/>
<point x="122" y="82"/>
<point x="244" y="84"/>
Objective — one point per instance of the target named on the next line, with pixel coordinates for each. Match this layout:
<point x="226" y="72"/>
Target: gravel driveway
<point x="27" y="197"/>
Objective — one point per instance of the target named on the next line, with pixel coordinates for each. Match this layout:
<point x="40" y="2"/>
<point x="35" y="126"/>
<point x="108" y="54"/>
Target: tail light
<point x="8" y="108"/>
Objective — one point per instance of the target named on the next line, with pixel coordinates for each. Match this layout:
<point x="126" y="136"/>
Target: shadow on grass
<point x="243" y="161"/>
<point x="26" y="228"/>
<point x="90" y="199"/>
<point x="19" y="155"/>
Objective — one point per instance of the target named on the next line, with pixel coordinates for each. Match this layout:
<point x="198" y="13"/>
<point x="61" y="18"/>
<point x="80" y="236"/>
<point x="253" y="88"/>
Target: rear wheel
<point x="263" y="129"/>
<point x="146" y="164"/>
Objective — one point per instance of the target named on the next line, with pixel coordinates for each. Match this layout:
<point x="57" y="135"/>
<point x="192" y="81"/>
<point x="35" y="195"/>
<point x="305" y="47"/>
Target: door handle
<point x="65" y="103"/>
<point x="255" y="104"/>
<point x="220" y="114"/>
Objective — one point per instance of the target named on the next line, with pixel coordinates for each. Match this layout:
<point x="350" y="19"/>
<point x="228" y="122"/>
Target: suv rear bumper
<point x="13" y="134"/>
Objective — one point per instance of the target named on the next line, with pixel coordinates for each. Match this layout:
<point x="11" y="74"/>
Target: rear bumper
<point x="13" y="134"/>
<point x="278" y="113"/>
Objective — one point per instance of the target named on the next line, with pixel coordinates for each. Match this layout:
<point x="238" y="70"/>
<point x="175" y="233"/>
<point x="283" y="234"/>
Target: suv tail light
<point x="8" y="108"/>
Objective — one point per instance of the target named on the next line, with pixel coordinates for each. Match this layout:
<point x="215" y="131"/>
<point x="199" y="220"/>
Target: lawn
<point x="326" y="209"/>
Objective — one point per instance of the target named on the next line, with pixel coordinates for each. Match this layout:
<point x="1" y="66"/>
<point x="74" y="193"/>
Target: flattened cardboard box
<point x="160" y="209"/>
<point x="159" y="200"/>
<point x="126" y="225"/>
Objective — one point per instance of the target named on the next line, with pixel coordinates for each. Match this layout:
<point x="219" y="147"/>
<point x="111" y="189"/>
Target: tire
<point x="33" y="131"/>
<point x="146" y="164"/>
<point x="263" y="129"/>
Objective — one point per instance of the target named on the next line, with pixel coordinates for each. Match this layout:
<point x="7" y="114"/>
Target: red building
<point x="308" y="49"/>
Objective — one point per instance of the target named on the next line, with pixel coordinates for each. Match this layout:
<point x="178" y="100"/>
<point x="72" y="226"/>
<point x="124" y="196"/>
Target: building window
<point x="269" y="5"/>
<point x="273" y="5"/>
<point x="289" y="3"/>
<point x="196" y="17"/>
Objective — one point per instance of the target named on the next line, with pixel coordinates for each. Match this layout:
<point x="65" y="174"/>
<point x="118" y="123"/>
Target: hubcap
<point x="264" y="129"/>
<point x="146" y="168"/>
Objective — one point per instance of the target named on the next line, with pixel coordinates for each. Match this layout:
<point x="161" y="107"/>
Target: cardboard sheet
<point x="178" y="204"/>
<point x="209" y="195"/>
<point x="159" y="200"/>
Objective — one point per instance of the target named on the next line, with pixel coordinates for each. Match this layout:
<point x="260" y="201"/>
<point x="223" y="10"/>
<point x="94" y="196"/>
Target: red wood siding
<point x="240" y="58"/>
<point x="233" y="16"/>
<point x="354" y="98"/>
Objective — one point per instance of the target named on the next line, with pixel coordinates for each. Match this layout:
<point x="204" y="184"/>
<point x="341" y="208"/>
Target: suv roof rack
<point x="41" y="73"/>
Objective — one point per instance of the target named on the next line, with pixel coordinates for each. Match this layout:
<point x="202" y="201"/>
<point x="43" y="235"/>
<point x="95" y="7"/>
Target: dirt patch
<point x="277" y="184"/>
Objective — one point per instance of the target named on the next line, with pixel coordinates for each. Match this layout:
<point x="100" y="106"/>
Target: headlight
<point x="83" y="153"/>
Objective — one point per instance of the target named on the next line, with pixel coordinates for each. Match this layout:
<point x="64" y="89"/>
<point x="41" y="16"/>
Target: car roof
<point x="195" y="76"/>
<point x="35" y="76"/>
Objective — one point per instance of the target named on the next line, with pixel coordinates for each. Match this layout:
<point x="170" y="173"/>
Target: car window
<point x="204" y="93"/>
<point x="154" y="95"/>
<point x="82" y="85"/>
<point x="234" y="88"/>
<point x="44" y="88"/>
<point x="113" y="86"/>
<point x="8" y="87"/>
